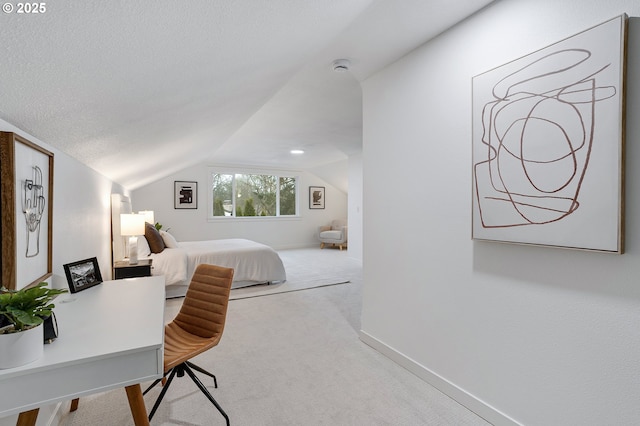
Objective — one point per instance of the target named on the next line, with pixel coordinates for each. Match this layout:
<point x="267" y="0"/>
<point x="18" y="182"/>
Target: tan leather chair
<point x="197" y="328"/>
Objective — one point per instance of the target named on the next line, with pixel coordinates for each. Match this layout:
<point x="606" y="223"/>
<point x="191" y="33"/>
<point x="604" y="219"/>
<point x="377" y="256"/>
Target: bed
<point x="253" y="262"/>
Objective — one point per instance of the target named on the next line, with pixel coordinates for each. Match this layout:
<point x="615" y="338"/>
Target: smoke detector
<point x="341" y="65"/>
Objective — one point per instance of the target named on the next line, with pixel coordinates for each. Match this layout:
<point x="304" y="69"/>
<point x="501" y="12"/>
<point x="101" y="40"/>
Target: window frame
<point x="233" y="171"/>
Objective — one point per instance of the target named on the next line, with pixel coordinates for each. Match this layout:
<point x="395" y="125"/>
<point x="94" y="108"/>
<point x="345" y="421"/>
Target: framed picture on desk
<point x="82" y="274"/>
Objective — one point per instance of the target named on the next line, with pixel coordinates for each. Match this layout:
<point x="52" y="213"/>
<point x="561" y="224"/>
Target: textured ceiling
<point x="138" y="90"/>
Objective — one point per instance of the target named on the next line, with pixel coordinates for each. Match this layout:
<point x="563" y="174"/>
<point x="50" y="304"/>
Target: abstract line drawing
<point x="33" y="205"/>
<point x="26" y="178"/>
<point x="539" y="178"/>
<point x="536" y="123"/>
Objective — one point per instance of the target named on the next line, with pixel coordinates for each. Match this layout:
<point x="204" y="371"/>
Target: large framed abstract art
<point x="548" y="144"/>
<point x="26" y="183"/>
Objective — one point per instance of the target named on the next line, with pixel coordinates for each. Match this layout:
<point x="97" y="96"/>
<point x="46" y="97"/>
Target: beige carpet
<point x="286" y="287"/>
<point x="300" y="274"/>
<point x="292" y="359"/>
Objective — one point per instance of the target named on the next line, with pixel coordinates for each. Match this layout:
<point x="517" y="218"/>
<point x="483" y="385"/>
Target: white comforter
<point x="252" y="262"/>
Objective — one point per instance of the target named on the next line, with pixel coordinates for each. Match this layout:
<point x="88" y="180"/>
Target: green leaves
<point x="28" y="307"/>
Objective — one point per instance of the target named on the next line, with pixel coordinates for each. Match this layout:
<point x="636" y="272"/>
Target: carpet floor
<point x="300" y="275"/>
<point x="292" y="359"/>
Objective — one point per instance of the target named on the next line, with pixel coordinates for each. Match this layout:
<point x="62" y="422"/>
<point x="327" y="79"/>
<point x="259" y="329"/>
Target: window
<point x="253" y="194"/>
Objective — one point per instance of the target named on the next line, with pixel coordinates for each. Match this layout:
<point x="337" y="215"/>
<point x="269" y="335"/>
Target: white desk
<point x="110" y="336"/>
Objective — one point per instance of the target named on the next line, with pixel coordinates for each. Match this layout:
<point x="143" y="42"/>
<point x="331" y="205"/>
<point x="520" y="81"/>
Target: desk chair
<point x="197" y="328"/>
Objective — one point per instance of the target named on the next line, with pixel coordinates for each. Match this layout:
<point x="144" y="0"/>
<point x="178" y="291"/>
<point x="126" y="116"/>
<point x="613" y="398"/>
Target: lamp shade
<point x="131" y="224"/>
<point x="148" y="216"/>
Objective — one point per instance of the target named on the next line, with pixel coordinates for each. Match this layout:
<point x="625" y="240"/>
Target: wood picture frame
<point x="316" y="197"/>
<point x="82" y="274"/>
<point x="26" y="211"/>
<point x="185" y="194"/>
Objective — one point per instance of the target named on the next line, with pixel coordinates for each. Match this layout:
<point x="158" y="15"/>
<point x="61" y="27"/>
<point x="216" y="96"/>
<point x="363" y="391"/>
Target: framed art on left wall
<point x="26" y="210"/>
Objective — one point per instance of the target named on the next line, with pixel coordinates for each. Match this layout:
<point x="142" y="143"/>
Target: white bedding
<point x="253" y="263"/>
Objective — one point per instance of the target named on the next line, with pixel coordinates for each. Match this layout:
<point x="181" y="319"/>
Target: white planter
<point x="18" y="349"/>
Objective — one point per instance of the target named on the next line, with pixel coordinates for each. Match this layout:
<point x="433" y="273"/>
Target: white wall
<point x="355" y="207"/>
<point x="537" y="335"/>
<point x="190" y="225"/>
<point x="81" y="223"/>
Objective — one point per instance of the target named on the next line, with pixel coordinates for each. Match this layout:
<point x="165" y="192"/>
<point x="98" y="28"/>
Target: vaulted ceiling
<point x="140" y="89"/>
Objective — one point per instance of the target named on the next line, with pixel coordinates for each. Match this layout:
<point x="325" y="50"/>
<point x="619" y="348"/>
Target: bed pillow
<point x="169" y="240"/>
<point x="143" y="247"/>
<point x="156" y="243"/>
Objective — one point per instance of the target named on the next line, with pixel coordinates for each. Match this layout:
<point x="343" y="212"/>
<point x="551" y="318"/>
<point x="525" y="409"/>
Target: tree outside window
<point x="253" y="195"/>
<point x="287" y="196"/>
<point x="222" y="194"/>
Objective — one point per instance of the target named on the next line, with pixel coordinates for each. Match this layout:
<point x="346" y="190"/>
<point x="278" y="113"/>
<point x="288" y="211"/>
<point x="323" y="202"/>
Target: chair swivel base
<point x="180" y="369"/>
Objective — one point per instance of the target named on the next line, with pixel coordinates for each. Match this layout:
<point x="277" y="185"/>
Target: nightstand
<point x="123" y="269"/>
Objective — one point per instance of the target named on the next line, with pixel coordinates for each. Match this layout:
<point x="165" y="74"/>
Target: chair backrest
<point x="204" y="309"/>
<point x="337" y="224"/>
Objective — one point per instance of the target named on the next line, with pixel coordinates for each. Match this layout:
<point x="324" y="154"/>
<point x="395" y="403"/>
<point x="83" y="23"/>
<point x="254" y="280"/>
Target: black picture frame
<point x="185" y="194"/>
<point x="82" y="274"/>
<point x="316" y="197"/>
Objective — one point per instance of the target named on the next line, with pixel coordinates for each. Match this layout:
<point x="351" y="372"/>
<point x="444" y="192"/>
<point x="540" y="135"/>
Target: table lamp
<point x="148" y="216"/>
<point x="132" y="225"/>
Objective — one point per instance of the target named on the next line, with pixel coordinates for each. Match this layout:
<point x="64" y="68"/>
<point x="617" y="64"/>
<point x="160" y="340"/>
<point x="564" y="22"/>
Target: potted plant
<point x="158" y="226"/>
<point x="22" y="313"/>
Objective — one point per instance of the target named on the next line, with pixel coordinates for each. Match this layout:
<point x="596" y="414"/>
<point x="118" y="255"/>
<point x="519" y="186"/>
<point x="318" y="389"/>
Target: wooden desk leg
<point x="74" y="404"/>
<point x="28" y="418"/>
<point x="136" y="404"/>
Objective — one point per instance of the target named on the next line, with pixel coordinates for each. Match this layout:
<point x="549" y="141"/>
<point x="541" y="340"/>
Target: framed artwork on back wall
<point x="316" y="197"/>
<point x="185" y="195"/>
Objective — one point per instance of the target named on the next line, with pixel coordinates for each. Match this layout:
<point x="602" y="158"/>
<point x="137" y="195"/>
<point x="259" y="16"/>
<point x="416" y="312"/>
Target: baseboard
<point x="458" y="394"/>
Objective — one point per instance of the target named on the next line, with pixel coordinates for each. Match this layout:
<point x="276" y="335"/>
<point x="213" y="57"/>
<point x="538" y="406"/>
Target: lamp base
<point x="133" y="250"/>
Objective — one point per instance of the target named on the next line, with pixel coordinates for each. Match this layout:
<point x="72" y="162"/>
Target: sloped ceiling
<point x="139" y="90"/>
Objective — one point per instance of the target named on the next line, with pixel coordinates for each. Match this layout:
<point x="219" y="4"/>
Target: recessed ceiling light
<point x="296" y="151"/>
